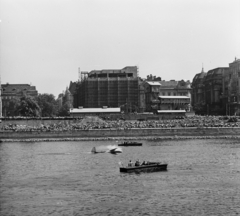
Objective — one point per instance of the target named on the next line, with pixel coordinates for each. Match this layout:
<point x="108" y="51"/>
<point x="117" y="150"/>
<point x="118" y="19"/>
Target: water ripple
<point x="65" y="179"/>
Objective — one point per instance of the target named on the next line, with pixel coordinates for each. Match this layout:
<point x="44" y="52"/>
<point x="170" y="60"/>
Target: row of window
<point x="13" y="89"/>
<point x="7" y="97"/>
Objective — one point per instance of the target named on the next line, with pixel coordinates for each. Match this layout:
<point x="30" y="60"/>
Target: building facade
<point x="213" y="84"/>
<point x="151" y="92"/>
<point x="175" y="88"/>
<point x="110" y="88"/>
<point x="198" y="93"/>
<point x="125" y="89"/>
<point x="166" y="95"/>
<point x="174" y="103"/>
<point x="217" y="92"/>
<point x="15" y="91"/>
<point x="234" y="87"/>
<point x="175" y="95"/>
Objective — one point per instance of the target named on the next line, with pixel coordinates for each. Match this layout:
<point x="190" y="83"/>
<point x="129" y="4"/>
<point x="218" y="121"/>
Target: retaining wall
<point x="137" y="133"/>
<point x="130" y="117"/>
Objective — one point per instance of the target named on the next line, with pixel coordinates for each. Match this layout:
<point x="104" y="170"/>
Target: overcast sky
<point x="44" y="42"/>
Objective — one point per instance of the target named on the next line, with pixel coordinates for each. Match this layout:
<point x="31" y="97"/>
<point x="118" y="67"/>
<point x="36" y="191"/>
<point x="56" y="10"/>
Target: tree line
<point x="43" y="105"/>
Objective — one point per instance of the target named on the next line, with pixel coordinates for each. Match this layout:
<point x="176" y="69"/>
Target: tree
<point x="200" y="108"/>
<point x="11" y="108"/>
<point x="64" y="110"/>
<point x="66" y="103"/>
<point x="48" y="105"/>
<point x="28" y="106"/>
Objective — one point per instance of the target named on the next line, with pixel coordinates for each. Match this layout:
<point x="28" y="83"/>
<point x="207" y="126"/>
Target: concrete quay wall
<point x="129" y="117"/>
<point x="152" y="133"/>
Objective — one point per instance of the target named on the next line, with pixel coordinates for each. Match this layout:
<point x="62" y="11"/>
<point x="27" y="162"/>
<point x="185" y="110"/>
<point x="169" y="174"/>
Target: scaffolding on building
<point x="112" y="88"/>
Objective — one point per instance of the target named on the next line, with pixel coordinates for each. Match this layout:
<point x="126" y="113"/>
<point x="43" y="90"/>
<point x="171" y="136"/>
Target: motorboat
<point x="130" y="144"/>
<point x="149" y="167"/>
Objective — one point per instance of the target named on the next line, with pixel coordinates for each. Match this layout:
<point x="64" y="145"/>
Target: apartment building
<point x="234" y="87"/>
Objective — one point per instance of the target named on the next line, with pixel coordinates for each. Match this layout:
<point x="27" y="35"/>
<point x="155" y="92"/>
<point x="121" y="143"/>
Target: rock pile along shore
<point x="200" y="123"/>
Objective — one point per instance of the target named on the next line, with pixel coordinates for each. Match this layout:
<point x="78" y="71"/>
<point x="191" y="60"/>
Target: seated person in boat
<point x="137" y="163"/>
<point x="130" y="164"/>
<point x="143" y="163"/>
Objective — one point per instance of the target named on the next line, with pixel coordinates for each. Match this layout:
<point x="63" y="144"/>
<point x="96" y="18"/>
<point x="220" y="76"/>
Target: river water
<point x="64" y="178"/>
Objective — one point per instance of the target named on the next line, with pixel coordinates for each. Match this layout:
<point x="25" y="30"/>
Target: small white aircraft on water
<point x="108" y="149"/>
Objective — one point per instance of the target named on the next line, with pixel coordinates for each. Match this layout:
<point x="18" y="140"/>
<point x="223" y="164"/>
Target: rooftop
<point x="174" y="97"/>
<point x="96" y="110"/>
<point x="152" y="83"/>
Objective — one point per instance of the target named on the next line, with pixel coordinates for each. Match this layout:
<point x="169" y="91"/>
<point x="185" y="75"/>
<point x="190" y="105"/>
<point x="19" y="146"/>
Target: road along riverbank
<point x="130" y="134"/>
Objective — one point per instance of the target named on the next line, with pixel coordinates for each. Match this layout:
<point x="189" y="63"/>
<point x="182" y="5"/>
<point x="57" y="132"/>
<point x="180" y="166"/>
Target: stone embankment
<point x="130" y="134"/>
<point x="94" y="128"/>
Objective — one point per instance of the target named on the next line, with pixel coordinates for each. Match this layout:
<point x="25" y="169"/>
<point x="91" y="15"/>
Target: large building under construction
<point x="110" y="88"/>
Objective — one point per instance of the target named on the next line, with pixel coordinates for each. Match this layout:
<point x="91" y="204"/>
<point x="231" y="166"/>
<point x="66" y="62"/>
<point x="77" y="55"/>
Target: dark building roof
<point x="198" y="78"/>
<point x="18" y="89"/>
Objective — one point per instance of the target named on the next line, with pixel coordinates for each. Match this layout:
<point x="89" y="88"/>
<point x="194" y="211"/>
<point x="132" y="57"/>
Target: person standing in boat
<point x="130" y="164"/>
